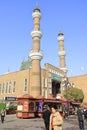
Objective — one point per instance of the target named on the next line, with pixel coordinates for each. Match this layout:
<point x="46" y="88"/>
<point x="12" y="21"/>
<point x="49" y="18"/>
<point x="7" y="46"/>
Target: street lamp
<point x="66" y="84"/>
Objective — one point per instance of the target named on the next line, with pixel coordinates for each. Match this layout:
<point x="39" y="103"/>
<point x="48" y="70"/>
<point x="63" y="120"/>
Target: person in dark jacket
<point x="2" y="115"/>
<point x="46" y="116"/>
<point x="80" y="118"/>
<point x="85" y="114"/>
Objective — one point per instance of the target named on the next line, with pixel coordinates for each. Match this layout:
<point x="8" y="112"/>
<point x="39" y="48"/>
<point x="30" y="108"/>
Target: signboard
<point x="10" y="98"/>
<point x="67" y="105"/>
<point x="56" y="77"/>
<point x="20" y="107"/>
<point x="39" y="106"/>
<point x="25" y="105"/>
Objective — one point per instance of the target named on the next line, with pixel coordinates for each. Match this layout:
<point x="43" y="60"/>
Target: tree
<point x="75" y="94"/>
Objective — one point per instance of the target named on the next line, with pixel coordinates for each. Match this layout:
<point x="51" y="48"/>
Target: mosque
<point x="31" y="78"/>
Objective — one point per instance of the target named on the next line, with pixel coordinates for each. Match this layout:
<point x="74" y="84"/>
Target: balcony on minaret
<point x="36" y="10"/>
<point x="36" y="13"/>
<point x="36" y="55"/>
<point x="65" y="69"/>
<point x="62" y="53"/>
<point x="36" y="33"/>
<point x="60" y="37"/>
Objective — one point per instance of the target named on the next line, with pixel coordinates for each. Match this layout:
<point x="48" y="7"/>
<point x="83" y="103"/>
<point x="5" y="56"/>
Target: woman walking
<point x="56" y="120"/>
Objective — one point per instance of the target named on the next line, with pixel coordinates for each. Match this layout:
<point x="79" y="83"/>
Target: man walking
<point x="46" y="117"/>
<point x="80" y="118"/>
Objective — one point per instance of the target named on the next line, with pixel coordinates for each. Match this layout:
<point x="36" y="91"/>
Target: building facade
<point x="31" y="78"/>
<point x="20" y="82"/>
<point x="81" y="83"/>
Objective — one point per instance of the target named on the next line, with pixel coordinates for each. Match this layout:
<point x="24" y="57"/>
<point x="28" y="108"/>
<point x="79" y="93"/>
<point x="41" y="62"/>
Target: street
<point x="13" y="123"/>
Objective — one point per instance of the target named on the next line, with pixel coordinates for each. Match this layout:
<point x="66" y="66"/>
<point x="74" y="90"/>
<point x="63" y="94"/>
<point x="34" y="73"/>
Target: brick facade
<point x="80" y="82"/>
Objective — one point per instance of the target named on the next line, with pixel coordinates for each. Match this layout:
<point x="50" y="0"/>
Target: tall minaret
<point x="35" y="54"/>
<point x="62" y="52"/>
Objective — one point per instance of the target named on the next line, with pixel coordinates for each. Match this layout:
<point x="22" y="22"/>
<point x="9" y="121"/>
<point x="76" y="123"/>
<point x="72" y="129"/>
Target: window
<point x="14" y="85"/>
<point x="25" y="84"/>
<point x="9" y="89"/>
<point x="31" y="106"/>
<point x="45" y="82"/>
<point x="6" y="90"/>
<point x="0" y="87"/>
<point x="3" y="87"/>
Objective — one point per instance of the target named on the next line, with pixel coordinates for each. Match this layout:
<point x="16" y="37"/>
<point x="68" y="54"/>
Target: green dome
<point x="26" y="64"/>
<point x="36" y="9"/>
<point x="60" y="34"/>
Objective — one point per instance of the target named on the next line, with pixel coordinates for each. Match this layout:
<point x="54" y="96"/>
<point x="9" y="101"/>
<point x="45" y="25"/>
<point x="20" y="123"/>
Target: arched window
<point x="31" y="106"/>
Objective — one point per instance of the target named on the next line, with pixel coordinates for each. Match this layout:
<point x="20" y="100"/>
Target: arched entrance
<point x="56" y="84"/>
<point x="55" y="87"/>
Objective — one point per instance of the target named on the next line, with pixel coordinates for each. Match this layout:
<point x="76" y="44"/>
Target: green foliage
<point x="75" y="94"/>
<point x="12" y="107"/>
<point x="2" y="105"/>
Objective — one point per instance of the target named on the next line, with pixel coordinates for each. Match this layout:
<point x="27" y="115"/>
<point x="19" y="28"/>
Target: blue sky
<point x="16" y="24"/>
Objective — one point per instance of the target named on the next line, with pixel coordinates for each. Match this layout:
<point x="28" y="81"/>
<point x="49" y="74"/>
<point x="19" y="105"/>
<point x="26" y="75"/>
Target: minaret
<point x="62" y="52"/>
<point x="35" y="54"/>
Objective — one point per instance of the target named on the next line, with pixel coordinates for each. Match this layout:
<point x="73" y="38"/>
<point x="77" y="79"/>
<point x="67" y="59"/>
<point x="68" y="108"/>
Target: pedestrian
<point x="80" y="118"/>
<point x="56" y="120"/>
<point x="2" y="115"/>
<point x="85" y="114"/>
<point x="46" y="116"/>
<point x="66" y="115"/>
